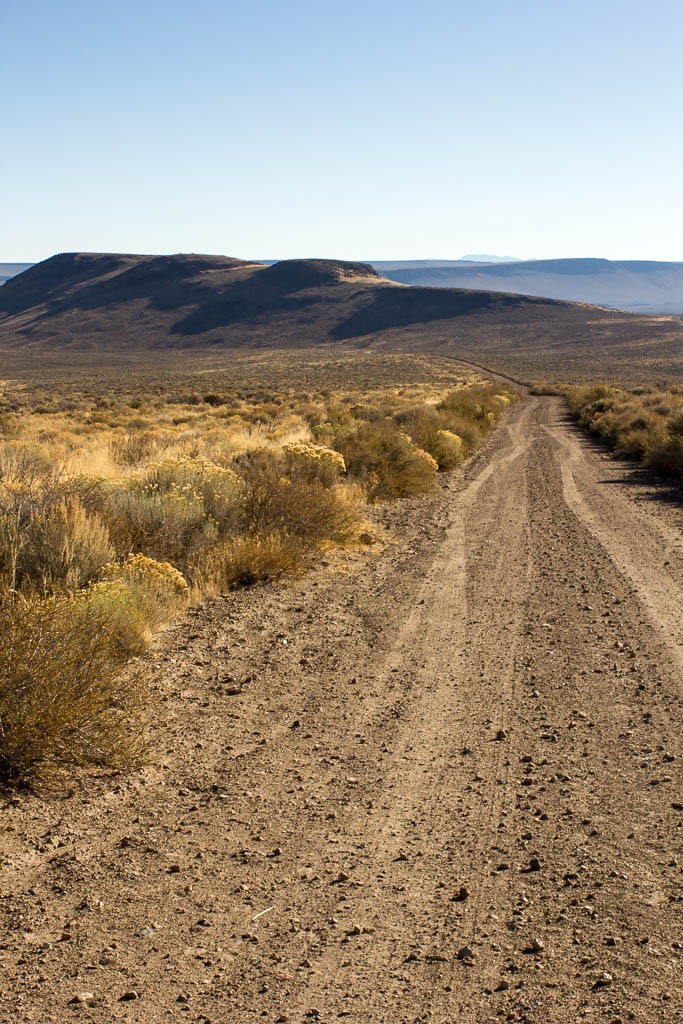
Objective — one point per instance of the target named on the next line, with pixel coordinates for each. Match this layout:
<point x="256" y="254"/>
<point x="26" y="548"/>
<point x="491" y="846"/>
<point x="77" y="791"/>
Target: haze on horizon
<point x="376" y="131"/>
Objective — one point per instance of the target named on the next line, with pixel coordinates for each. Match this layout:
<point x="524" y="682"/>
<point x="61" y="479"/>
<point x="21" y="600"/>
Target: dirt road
<point x="449" y="791"/>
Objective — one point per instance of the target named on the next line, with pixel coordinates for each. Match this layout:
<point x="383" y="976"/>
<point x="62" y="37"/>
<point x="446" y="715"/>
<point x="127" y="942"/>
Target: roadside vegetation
<point x="117" y="511"/>
<point x="643" y="423"/>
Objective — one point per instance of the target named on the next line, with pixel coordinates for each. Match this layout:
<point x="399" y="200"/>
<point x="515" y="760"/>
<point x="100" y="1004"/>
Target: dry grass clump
<point x="64" y="699"/>
<point x="62" y="544"/>
<point x="253" y="558"/>
<point x="644" y="423"/>
<point x="46" y="535"/>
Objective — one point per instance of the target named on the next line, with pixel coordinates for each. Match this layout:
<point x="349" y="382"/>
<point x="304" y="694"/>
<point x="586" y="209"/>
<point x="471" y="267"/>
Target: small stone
<point x="527" y="836"/>
<point x="343" y="876"/>
<point x="502" y="986"/>
<point x="462" y="894"/>
<point x="535" y="864"/>
<point x="603" y="980"/>
<point x="537" y="945"/>
<point x="501" y="734"/>
<point x="83" y="999"/>
<point x="129" y="997"/>
<point x="465" y="953"/>
<point x="359" y="929"/>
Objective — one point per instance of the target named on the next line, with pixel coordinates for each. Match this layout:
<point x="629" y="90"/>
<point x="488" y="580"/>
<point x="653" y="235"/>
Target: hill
<point x="637" y="285"/>
<point x="115" y="303"/>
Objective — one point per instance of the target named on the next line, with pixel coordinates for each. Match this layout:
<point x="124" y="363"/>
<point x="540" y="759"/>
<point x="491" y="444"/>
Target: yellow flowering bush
<point x="315" y="461"/>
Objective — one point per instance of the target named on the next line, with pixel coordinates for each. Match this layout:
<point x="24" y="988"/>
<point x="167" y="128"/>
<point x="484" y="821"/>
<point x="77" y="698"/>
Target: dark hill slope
<point x="85" y="300"/>
<point x="640" y="286"/>
<point x="125" y="303"/>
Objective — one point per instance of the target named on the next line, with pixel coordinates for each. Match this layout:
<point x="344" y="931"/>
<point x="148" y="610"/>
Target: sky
<point x="373" y="129"/>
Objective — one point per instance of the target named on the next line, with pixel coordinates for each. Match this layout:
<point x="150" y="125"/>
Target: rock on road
<point x="449" y="790"/>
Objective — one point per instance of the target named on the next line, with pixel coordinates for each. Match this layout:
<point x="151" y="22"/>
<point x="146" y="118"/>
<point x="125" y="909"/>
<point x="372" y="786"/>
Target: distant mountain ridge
<point x="640" y="286"/>
<point x="126" y="305"/>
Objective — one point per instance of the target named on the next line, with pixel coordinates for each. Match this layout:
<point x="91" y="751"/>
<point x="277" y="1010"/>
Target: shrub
<point x="243" y="561"/>
<point x="218" y="486"/>
<point x="313" y="462"/>
<point x="141" y="595"/>
<point x="448" y="449"/>
<point x="385" y="460"/>
<point x="165" y="524"/>
<point x="63" y="544"/>
<point x="642" y="423"/>
<point x="297" y="505"/>
<point x="135" y="447"/>
<point x="667" y="457"/>
<point x="63" y="698"/>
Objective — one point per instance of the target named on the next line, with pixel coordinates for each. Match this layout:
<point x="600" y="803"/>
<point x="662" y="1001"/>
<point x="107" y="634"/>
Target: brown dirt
<point x="297" y="849"/>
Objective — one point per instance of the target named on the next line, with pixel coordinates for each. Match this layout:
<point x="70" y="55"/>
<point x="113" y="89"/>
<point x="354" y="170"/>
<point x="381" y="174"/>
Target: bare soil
<point x="440" y="783"/>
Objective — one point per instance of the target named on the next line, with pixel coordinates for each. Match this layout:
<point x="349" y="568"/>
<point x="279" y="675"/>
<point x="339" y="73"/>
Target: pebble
<point x="83" y="999"/>
<point x="465" y="953"/>
<point x="129" y="997"/>
<point x="534" y="864"/>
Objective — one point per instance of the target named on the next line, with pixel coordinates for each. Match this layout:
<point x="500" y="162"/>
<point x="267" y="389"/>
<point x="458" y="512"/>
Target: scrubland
<point x="121" y="505"/>
<point x="643" y="423"/>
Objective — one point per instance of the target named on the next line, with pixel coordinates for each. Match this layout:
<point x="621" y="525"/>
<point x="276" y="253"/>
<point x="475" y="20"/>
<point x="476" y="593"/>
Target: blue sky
<point x="368" y="130"/>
